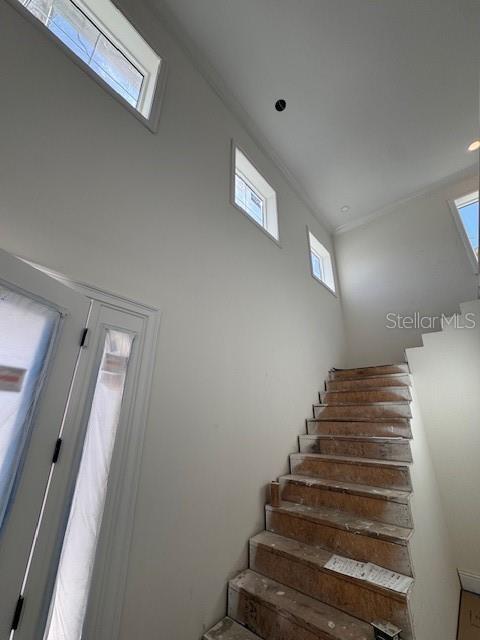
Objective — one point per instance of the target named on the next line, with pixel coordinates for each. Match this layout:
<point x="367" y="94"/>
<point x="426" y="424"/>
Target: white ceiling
<point x="382" y="95"/>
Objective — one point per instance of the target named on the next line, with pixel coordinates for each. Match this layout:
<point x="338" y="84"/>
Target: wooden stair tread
<point x="342" y="520"/>
<point x="400" y="389"/>
<point x="381" y="493"/>
<point x="366" y="412"/>
<point x="359" y="421"/>
<point x="360" y="438"/>
<point x="322" y="620"/>
<point x="366" y="372"/>
<point x="228" y="629"/>
<point x="352" y="460"/>
<point x="334" y="427"/>
<point x="316" y="557"/>
<point x="380" y="383"/>
<point x="389" y="395"/>
<point x="387" y="403"/>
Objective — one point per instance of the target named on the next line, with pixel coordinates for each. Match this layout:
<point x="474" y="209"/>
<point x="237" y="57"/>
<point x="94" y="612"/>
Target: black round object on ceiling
<point x="280" y="105"/>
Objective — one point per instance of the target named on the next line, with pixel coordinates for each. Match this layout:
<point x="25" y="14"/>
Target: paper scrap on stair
<point x="370" y="572"/>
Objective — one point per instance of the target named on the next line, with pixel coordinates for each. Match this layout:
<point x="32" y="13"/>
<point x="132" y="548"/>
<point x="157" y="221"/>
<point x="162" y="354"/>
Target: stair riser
<point x="379" y="451"/>
<point x="355" y="374"/>
<point x="336" y="590"/>
<point x="348" y="428"/>
<point x="369" y="508"/>
<point x="363" y="412"/>
<point x="368" y="383"/>
<point x="364" y="397"/>
<point x="353" y="545"/>
<point x="267" y="622"/>
<point x="390" y="478"/>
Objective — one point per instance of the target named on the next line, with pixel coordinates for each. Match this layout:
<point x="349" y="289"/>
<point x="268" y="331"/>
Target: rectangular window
<point x="466" y="214"/>
<point x="104" y="40"/>
<point x="253" y="195"/>
<point x="321" y="263"/>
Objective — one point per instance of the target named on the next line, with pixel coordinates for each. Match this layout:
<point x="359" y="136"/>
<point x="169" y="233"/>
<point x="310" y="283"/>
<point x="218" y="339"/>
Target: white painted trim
<point x="233" y="147"/>
<point x="470" y="172"/>
<point x="469" y="581"/>
<point x="108" y="586"/>
<point x="454" y="204"/>
<point x="152" y="122"/>
<point x="332" y="260"/>
<point x="111" y="562"/>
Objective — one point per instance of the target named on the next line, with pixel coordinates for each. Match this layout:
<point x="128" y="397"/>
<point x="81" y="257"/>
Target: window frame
<point x="455" y="205"/>
<point x="152" y="122"/>
<point x="243" y="177"/>
<point x="311" y="250"/>
<point x="270" y="209"/>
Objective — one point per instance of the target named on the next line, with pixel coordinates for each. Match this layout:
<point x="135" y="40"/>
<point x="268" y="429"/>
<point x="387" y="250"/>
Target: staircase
<point x="346" y="499"/>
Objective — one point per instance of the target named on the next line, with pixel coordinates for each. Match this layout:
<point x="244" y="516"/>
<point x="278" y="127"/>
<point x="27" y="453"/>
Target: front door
<point x="41" y="324"/>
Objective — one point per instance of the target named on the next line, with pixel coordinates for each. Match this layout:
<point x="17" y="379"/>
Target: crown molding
<point x="220" y="88"/>
<point x="470" y="581"/>
<point x="469" y="172"/>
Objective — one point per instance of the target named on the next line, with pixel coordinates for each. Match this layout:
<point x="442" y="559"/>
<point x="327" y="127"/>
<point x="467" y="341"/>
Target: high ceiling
<point x="382" y="95"/>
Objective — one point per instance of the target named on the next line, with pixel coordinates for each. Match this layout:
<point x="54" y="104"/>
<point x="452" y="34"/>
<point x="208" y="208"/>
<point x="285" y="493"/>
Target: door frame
<point x="109" y="578"/>
<point x="50" y="417"/>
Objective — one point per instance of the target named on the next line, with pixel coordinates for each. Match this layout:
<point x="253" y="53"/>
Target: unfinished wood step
<point x="373" y="382"/>
<point x="361" y="428"/>
<point x="358" y="446"/>
<point x="228" y="629"/>
<point x="277" y="612"/>
<point x="366" y="396"/>
<point x="366" y="372"/>
<point x="377" y="473"/>
<point x="365" y="412"/>
<point x="302" y="567"/>
<point x="344" y="534"/>
<point x="383" y="505"/>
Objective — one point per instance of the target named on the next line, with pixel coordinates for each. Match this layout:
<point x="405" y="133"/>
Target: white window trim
<point x="454" y="204"/>
<point x="103" y="616"/>
<point x="152" y="122"/>
<point x="316" y="278"/>
<point x="269" y="200"/>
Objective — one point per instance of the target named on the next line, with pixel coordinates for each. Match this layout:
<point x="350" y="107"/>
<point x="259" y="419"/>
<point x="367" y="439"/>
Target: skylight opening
<point x="107" y="43"/>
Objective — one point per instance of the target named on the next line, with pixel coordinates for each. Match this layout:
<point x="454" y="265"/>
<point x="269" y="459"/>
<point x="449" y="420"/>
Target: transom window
<point x="253" y="195"/>
<point x="321" y="262"/>
<point x="104" y="40"/>
<point x="466" y="214"/>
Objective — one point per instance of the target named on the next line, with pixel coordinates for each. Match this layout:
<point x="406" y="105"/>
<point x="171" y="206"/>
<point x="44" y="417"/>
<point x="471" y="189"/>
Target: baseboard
<point x="470" y="582"/>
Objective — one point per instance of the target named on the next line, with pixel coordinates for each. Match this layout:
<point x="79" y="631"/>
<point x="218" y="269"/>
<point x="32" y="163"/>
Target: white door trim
<point x="19" y="527"/>
<point x="110" y="573"/>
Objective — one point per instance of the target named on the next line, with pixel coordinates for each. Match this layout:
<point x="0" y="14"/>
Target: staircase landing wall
<point x="409" y="260"/>
<point x="436" y="591"/>
<point x="446" y="375"/>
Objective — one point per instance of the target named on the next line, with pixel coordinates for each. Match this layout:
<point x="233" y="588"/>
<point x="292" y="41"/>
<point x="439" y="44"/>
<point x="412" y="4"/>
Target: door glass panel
<point x="27" y="332"/>
<point x="69" y="601"/>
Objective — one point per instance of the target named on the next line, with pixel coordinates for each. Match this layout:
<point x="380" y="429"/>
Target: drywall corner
<point x="436" y="593"/>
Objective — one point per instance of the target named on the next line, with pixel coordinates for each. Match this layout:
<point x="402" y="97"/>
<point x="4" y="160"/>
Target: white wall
<point x="436" y="591"/>
<point x="446" y="373"/>
<point x="409" y="260"/>
<point x="247" y="334"/>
